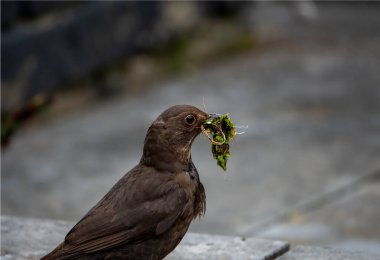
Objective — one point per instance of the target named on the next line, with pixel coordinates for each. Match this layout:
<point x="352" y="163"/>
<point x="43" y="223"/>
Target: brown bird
<point x="148" y="211"/>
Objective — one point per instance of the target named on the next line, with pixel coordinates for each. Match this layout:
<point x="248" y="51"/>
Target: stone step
<point x="325" y="253"/>
<point x="31" y="238"/>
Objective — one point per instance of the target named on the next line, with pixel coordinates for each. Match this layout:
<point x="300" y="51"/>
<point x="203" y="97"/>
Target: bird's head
<point x="169" y="138"/>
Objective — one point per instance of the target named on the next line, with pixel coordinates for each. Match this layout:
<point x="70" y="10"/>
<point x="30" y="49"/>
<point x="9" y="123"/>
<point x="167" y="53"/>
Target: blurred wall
<point x="48" y="45"/>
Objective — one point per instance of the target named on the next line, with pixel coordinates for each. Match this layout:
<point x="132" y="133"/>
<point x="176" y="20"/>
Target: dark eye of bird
<point x="190" y="119"/>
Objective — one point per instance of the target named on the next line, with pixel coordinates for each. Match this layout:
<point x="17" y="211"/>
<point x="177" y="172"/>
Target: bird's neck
<point x="165" y="156"/>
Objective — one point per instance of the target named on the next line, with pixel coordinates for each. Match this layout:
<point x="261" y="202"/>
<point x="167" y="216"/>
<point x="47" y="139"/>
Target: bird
<point x="149" y="210"/>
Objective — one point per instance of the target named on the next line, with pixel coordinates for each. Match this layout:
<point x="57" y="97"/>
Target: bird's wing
<point x="111" y="223"/>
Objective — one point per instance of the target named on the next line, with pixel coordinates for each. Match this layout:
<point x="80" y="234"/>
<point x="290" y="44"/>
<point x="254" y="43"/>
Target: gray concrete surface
<point x="313" y="111"/>
<point x="27" y="238"/>
<point x="325" y="253"/>
<point x="347" y="222"/>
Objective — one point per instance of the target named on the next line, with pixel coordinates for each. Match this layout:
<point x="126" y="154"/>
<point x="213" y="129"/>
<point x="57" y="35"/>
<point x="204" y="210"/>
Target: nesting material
<point x="220" y="130"/>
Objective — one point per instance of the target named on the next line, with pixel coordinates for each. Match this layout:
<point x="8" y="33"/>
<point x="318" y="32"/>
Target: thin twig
<point x="204" y="131"/>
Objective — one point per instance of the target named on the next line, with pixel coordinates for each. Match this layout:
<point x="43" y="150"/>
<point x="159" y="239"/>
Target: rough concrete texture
<point x="313" y="111"/>
<point x="325" y="253"/>
<point x="24" y="238"/>
<point x="347" y="223"/>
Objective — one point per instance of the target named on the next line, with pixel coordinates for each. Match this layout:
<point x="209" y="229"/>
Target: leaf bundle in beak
<point x="219" y="130"/>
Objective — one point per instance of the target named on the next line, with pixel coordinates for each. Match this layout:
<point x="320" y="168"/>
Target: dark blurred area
<point x="74" y="41"/>
<point x="82" y="81"/>
<point x="49" y="46"/>
<point x="53" y="44"/>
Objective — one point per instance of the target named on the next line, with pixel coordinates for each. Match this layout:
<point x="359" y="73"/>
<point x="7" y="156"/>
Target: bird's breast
<point x="188" y="183"/>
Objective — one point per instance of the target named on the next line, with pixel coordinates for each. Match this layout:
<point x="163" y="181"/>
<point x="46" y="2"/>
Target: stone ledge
<point x="325" y="253"/>
<point x="27" y="238"/>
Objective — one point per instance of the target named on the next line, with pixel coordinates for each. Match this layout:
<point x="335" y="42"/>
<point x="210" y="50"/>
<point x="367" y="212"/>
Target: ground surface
<point x="305" y="171"/>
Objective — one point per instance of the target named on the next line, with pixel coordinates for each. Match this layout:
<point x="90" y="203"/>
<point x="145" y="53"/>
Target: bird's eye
<point x="190" y="119"/>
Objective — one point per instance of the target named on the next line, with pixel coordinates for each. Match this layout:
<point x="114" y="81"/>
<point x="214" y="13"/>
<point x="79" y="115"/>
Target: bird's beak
<point x="206" y="132"/>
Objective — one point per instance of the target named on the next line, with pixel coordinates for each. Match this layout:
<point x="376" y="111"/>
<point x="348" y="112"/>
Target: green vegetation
<point x="222" y="130"/>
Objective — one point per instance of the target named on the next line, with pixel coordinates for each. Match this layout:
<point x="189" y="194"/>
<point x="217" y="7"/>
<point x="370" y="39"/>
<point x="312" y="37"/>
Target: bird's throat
<point x="166" y="156"/>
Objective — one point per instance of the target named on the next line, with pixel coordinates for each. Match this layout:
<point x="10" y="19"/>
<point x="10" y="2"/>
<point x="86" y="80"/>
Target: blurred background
<point x="82" y="81"/>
